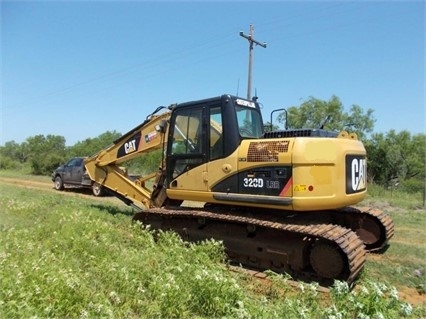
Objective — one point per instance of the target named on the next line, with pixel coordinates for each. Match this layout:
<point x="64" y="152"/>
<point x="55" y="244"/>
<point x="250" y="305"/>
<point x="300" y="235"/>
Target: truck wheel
<point x="97" y="190"/>
<point x="59" y="184"/>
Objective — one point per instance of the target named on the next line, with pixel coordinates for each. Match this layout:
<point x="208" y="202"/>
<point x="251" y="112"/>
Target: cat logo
<point x="130" y="147"/>
<point x="356" y="174"/>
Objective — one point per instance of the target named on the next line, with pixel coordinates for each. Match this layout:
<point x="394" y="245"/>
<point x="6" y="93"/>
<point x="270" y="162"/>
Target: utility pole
<point x="251" y="41"/>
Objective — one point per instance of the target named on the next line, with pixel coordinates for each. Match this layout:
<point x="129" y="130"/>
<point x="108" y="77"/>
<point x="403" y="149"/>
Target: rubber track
<point x="344" y="238"/>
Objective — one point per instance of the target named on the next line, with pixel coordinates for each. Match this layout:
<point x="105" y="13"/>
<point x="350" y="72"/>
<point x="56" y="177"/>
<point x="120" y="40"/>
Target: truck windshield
<point x="249" y="122"/>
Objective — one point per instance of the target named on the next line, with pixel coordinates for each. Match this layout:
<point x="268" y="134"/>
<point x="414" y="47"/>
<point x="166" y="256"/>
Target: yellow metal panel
<point x="319" y="173"/>
<point x="193" y="179"/>
<point x="190" y="195"/>
<point x="220" y="169"/>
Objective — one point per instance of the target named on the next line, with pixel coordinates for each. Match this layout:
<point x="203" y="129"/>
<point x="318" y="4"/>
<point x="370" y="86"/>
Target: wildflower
<point x="333" y="313"/>
<point x="241" y="312"/>
<point x="216" y="278"/>
<point x="84" y="314"/>
<point x="364" y="290"/>
<point x="115" y="299"/>
<point x="303" y="312"/>
<point x="341" y="287"/>
<point x="394" y="293"/>
<point x="406" y="309"/>
<point x="379" y="315"/>
<point x="140" y="290"/>
<point x="313" y="288"/>
<point x="359" y="305"/>
<point x="378" y="289"/>
<point x="48" y="309"/>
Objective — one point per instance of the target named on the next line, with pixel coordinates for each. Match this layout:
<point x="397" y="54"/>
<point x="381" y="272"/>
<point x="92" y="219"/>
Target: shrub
<point x="8" y="163"/>
<point x="413" y="185"/>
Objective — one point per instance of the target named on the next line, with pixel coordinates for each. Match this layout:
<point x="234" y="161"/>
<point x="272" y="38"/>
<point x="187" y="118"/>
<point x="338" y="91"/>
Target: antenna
<point x="238" y="87"/>
<point x="327" y="119"/>
<point x="251" y="41"/>
<point x="255" y="97"/>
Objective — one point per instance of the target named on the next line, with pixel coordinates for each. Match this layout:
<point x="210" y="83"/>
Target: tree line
<point x="393" y="158"/>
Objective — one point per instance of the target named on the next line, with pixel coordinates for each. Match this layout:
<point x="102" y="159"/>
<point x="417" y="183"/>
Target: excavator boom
<point x="104" y="168"/>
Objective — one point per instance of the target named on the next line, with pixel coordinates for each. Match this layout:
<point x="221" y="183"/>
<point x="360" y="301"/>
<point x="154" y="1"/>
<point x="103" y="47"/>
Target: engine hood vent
<point x="266" y="151"/>
<point x="300" y="133"/>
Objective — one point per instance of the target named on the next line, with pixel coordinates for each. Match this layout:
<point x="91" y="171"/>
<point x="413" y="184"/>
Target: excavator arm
<point x="103" y="167"/>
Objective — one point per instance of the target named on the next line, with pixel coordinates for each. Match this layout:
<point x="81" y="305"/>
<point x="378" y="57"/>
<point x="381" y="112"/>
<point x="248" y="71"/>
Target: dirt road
<point x="48" y="186"/>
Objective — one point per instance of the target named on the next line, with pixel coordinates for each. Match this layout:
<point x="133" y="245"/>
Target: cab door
<point x="73" y="171"/>
<point x="77" y="170"/>
<point x="187" y="149"/>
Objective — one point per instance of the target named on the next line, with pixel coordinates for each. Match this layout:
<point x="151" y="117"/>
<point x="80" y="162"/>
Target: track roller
<point x="327" y="260"/>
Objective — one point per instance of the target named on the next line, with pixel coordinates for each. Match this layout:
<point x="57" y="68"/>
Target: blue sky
<point x="78" y="69"/>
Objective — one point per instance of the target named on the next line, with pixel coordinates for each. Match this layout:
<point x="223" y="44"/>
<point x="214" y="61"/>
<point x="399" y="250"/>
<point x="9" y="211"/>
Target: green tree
<point x="12" y="155"/>
<point x="378" y="169"/>
<point x="397" y="156"/>
<point x="267" y="127"/>
<point x="330" y="115"/>
<point x="10" y="150"/>
<point x="45" y="153"/>
<point x="91" y="146"/>
<point x="145" y="164"/>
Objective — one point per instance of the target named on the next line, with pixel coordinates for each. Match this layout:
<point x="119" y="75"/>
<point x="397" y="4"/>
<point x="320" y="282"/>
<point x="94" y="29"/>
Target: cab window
<point x="249" y="122"/>
<point x="216" y="133"/>
<point x="187" y="136"/>
<point x="75" y="162"/>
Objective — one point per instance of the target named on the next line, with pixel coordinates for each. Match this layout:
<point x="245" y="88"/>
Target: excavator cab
<point x="202" y="135"/>
<point x="198" y="132"/>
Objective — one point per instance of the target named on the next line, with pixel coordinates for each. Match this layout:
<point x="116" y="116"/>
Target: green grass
<point x="65" y="256"/>
<point x="395" y="198"/>
<point x="406" y="256"/>
<point x="24" y="174"/>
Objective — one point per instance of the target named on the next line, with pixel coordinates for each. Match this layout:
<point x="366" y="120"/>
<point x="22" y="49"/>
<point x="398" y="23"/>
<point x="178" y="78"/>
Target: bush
<point x="44" y="165"/>
<point x="8" y="163"/>
<point x="413" y="186"/>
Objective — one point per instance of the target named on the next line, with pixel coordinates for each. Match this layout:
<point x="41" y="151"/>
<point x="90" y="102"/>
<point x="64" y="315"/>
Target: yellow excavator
<point x="278" y="200"/>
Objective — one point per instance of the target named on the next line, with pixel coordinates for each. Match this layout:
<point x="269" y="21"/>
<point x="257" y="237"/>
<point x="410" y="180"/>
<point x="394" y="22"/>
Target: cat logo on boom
<point x="129" y="146"/>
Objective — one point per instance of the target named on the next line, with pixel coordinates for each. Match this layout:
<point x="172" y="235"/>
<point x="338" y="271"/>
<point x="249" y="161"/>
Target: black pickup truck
<point x="73" y="173"/>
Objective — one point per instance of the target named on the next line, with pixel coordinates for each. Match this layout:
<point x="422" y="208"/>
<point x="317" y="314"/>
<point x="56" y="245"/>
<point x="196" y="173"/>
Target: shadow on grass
<point x="382" y="250"/>
<point x="113" y="210"/>
<point x="78" y="190"/>
<point x="84" y="191"/>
